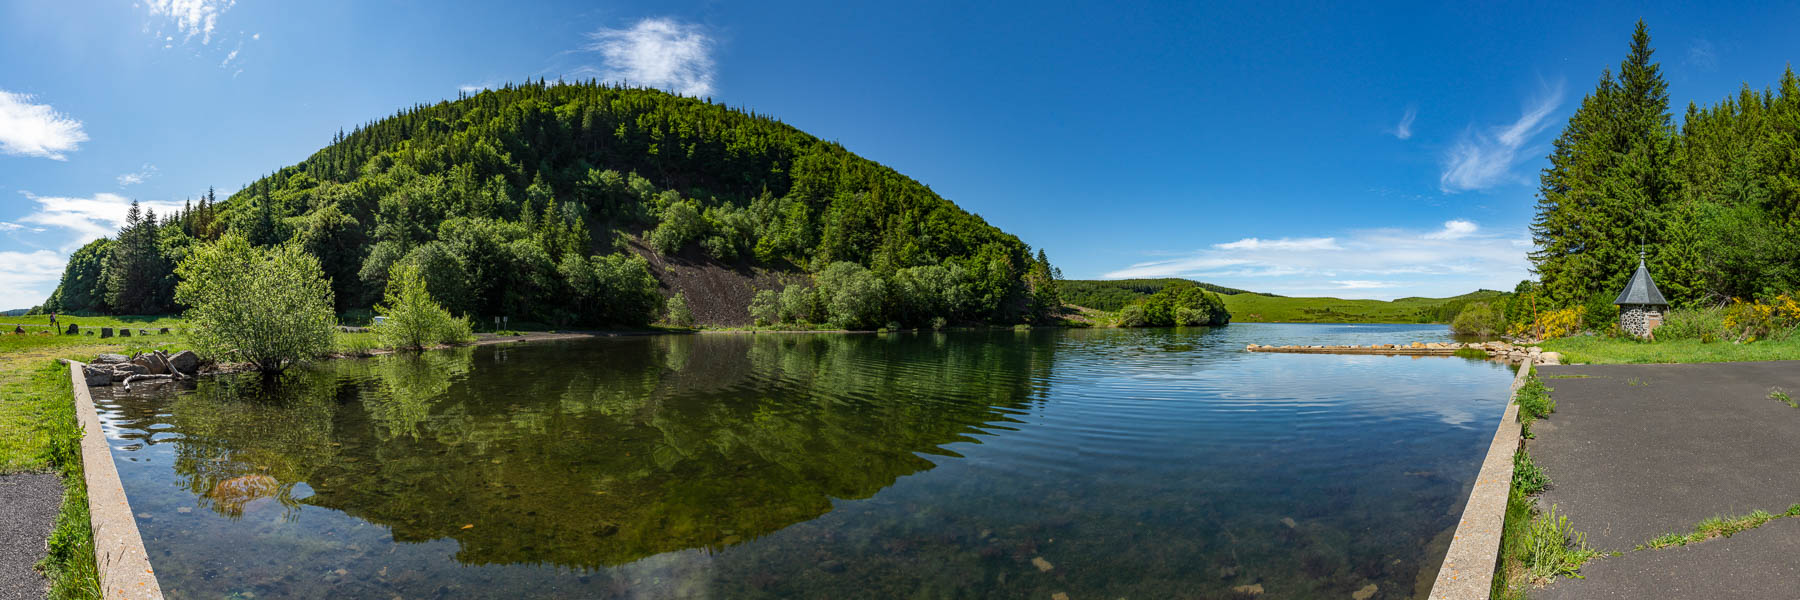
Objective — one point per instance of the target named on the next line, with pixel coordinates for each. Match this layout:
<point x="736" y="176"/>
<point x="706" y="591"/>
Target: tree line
<point x="1713" y="204"/>
<point x="524" y="201"/>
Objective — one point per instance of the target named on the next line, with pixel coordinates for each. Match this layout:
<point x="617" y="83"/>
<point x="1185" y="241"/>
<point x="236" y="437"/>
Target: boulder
<point x="124" y="370"/>
<point x="74" y="329"/>
<point x="163" y="331"/>
<point x="96" y="376"/>
<point x="185" y="362"/>
<point x="105" y="332"/>
<point x="1549" y="358"/>
<point x="154" y="362"/>
<point x="110" y="359"/>
<point x="123" y="332"/>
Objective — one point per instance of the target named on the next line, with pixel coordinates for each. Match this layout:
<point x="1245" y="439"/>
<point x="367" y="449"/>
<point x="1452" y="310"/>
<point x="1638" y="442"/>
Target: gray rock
<point x="110" y="359"/>
<point x="96" y="376"/>
<point x="121" y="371"/>
<point x="185" y="362"/>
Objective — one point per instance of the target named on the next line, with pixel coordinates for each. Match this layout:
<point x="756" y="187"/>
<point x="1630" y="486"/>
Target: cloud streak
<point x="134" y="178"/>
<point x="1403" y="130"/>
<point x="36" y="130"/>
<point x="88" y="218"/>
<point x="656" y="52"/>
<point x="1385" y="263"/>
<point x="1484" y="159"/>
<point x="192" y="17"/>
<point x="26" y="278"/>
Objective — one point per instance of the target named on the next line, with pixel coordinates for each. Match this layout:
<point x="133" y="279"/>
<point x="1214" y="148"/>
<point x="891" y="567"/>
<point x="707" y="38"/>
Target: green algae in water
<point x="1131" y="463"/>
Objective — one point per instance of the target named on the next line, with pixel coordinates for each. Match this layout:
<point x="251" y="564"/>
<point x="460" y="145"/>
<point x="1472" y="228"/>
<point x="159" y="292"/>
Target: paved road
<point x="28" y="507"/>
<point x="1636" y="451"/>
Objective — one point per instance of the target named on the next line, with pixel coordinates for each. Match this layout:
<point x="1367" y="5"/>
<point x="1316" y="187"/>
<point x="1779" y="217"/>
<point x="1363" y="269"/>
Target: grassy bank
<point x="38" y="432"/>
<point x="1537" y="545"/>
<point x="1609" y="350"/>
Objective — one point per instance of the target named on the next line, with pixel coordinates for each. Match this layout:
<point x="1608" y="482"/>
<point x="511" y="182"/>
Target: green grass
<point x="38" y="432"/>
<point x="1716" y="527"/>
<point x="1257" y="308"/>
<point x="1782" y="396"/>
<point x="1527" y="477"/>
<point x="1534" y="403"/>
<point x="132" y="321"/>
<point x="1606" y="350"/>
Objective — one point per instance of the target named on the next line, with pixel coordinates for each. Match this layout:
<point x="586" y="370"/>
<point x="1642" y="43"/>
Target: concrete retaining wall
<point x="124" y="567"/>
<point x="1468" y="570"/>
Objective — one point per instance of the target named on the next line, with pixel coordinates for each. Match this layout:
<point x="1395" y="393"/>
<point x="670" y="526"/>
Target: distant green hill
<point x="1253" y="307"/>
<point x="1114" y="294"/>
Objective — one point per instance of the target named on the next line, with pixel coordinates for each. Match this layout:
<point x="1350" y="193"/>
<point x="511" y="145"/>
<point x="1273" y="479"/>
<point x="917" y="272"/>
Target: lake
<point x="1022" y="464"/>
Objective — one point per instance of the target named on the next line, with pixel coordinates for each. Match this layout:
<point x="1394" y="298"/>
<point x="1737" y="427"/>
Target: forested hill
<point x="543" y="202"/>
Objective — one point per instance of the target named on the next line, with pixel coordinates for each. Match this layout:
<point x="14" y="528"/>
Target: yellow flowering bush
<point x="1749" y="321"/>
<point x="1563" y="322"/>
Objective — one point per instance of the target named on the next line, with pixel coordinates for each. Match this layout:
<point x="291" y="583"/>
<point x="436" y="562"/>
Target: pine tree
<point x="1609" y="184"/>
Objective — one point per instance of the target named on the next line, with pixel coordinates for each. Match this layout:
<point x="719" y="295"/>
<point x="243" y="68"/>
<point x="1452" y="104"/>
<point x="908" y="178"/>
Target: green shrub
<point x="1600" y="315"/>
<point x="765" y="307"/>
<point x="267" y="307"/>
<point x="1534" y="400"/>
<point x="1704" y="324"/>
<point x="411" y="319"/>
<point x="681" y="224"/>
<point x="853" y="295"/>
<point x="678" y="313"/>
<point x="1554" y="548"/>
<point x="1479" y="318"/>
<point x="1527" y="477"/>
<point x="798" y="304"/>
<point x="1131" y="316"/>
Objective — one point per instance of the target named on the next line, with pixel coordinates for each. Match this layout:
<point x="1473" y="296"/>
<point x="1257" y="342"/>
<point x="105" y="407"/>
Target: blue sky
<point x="1357" y="151"/>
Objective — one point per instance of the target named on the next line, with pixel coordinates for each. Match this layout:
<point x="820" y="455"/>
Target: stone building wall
<point x="1638" y="319"/>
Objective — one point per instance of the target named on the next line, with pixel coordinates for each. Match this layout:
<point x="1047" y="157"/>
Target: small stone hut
<point x="1641" y="305"/>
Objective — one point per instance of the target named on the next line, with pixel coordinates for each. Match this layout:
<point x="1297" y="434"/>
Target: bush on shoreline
<point x="411" y="319"/>
<point x="270" y="307"/>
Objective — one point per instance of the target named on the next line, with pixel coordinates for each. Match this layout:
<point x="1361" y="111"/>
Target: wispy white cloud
<point x="656" y="52"/>
<point x="88" y="219"/>
<point x="1281" y="244"/>
<point x="1702" y="55"/>
<point x="1362" y="284"/>
<point x="1454" y="229"/>
<point x="6" y="227"/>
<point x="231" y="56"/>
<point x="191" y="17"/>
<point x="145" y="172"/>
<point x="27" y="278"/>
<point x="28" y="129"/>
<point x="1481" y="160"/>
<point x="1403" y="130"/>
<point x="1374" y="263"/>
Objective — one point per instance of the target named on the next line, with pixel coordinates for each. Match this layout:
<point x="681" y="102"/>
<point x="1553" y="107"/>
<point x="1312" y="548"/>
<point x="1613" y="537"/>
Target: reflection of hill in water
<point x="601" y="453"/>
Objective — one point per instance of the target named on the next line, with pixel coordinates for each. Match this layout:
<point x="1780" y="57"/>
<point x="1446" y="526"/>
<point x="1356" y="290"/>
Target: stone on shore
<point x="185" y="362"/>
<point x="96" y="376"/>
<point x="110" y="359"/>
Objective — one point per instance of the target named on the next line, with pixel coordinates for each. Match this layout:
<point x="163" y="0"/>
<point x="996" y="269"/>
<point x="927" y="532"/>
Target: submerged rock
<point x="1254" y="589"/>
<point x="1367" y="592"/>
<point x="1289" y="521"/>
<point x="1041" y="564"/>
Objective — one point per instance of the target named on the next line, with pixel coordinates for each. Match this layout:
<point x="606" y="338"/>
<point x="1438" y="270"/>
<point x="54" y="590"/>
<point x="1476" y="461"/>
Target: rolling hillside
<point x="1253" y="307"/>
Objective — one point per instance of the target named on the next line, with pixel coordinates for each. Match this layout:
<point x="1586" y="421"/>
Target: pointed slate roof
<point x="1641" y="290"/>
